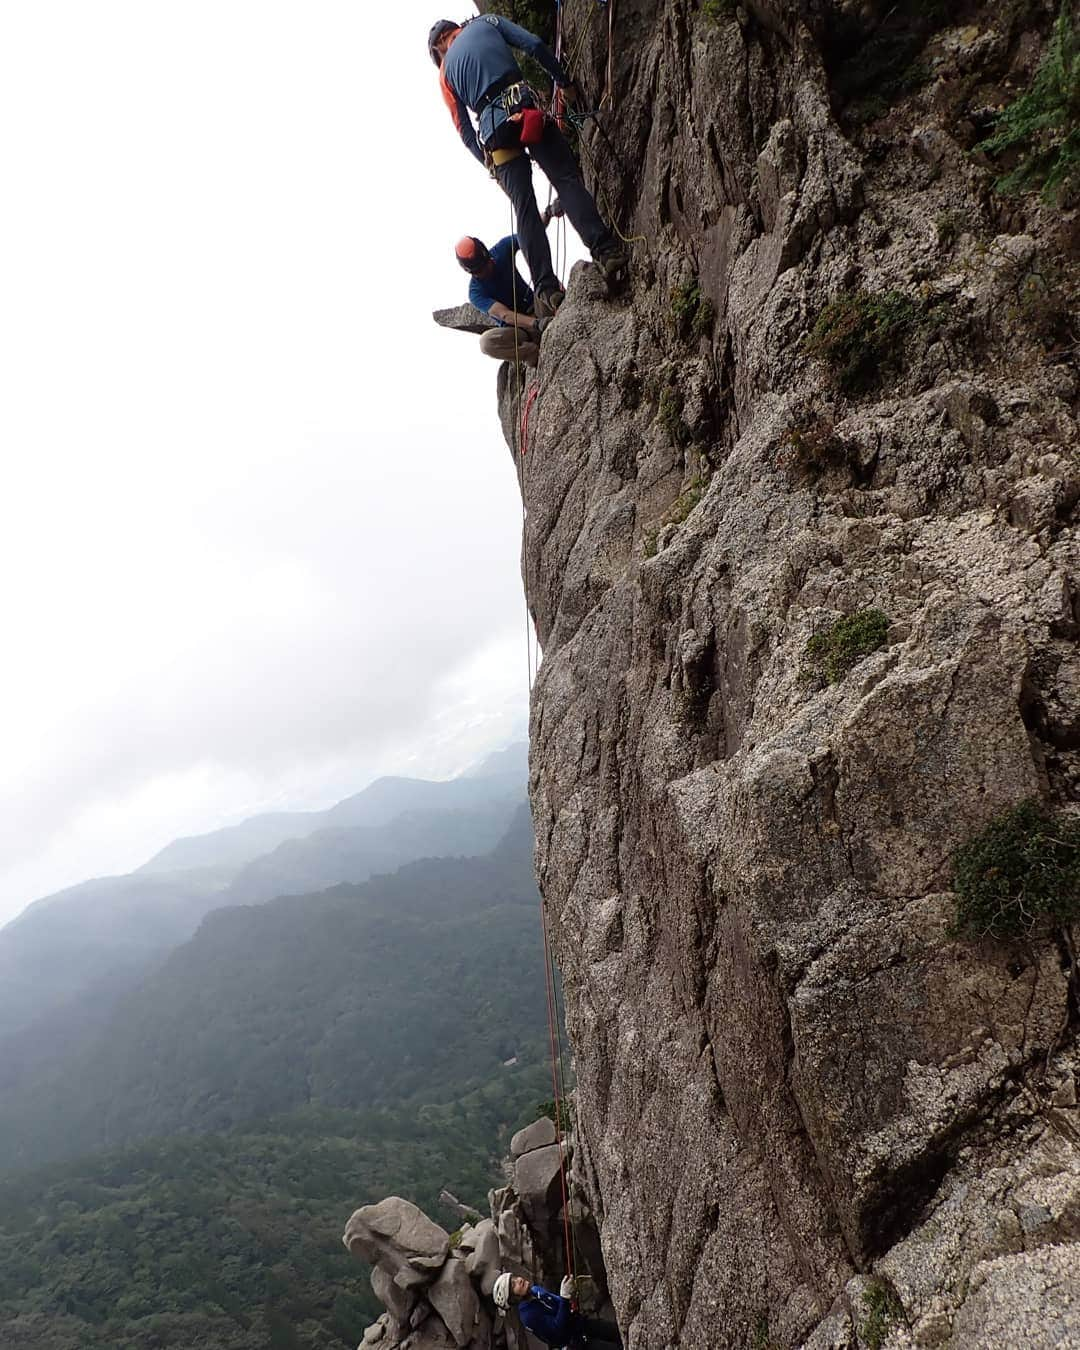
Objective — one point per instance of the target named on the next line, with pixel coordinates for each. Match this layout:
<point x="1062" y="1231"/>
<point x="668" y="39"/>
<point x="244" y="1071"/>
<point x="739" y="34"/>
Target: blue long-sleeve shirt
<point x="505" y="286"/>
<point x="548" y="1316"/>
<point x="479" y="59"/>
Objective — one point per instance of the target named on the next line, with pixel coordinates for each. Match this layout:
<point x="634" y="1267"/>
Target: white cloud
<point x="259" y="531"/>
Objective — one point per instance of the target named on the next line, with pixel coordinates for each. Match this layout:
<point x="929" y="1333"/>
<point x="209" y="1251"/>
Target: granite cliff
<point x="801" y="554"/>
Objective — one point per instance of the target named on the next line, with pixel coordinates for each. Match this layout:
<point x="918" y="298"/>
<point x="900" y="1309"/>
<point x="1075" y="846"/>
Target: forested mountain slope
<point x="414" y="986"/>
<point x="99" y="935"/>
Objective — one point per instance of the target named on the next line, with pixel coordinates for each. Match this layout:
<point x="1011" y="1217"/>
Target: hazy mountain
<point x="416" y="985"/>
<point x="102" y="933"/>
<point x="73" y="940"/>
<point x="330" y="856"/>
<point x="378" y="804"/>
<point x="234" y="845"/>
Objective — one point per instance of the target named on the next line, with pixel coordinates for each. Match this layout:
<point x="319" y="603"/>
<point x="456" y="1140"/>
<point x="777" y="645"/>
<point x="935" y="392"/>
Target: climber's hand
<point x="568" y="1288"/>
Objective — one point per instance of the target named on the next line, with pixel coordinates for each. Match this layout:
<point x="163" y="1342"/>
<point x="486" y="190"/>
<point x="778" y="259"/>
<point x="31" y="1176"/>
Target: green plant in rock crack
<point x="882" y="1309"/>
<point x="1042" y="127"/>
<point x="719" y="11"/>
<point x="1020" y="875"/>
<point x="811" y="445"/>
<point x="692" y="313"/>
<point x="841" y="646"/>
<point x="669" y="414"/>
<point x="861" y="335"/>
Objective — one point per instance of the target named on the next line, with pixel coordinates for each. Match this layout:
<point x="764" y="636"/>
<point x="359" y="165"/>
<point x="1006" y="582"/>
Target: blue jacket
<point x="480" y="59"/>
<point x="549" y="1317"/>
<point x="506" y="286"/>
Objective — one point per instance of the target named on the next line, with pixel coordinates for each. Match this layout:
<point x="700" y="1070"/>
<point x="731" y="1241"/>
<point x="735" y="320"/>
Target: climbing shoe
<point x="547" y="302"/>
<point x="612" y="259"/>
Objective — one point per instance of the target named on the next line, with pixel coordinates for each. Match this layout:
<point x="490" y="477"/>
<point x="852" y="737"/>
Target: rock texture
<point x="810" y="1113"/>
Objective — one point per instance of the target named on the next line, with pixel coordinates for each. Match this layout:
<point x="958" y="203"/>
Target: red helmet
<point x="437" y="31"/>
<point x="472" y="254"/>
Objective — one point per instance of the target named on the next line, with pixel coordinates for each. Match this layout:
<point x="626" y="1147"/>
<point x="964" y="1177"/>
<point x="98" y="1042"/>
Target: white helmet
<point x="501" y="1290"/>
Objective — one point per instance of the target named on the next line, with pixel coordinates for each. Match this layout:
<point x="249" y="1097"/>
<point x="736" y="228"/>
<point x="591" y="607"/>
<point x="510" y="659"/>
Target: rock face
<point x="810" y="1112"/>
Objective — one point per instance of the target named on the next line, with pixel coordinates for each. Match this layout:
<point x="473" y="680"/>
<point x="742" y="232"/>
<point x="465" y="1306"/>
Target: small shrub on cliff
<point x="719" y="11"/>
<point x="950" y="226"/>
<point x="1020" y="875"/>
<point x="669" y="415"/>
<point x="1042" y="126"/>
<point x="844" y="644"/>
<point x="811" y="445"/>
<point x="692" y="314"/>
<point x="881" y="1310"/>
<point x="761" y="1339"/>
<point x="860" y="335"/>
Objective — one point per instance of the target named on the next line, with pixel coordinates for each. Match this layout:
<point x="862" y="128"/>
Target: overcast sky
<point x="258" y="528"/>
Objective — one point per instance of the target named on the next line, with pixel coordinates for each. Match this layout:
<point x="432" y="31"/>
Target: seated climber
<point x="478" y="72"/>
<point x="497" y="289"/>
<point x="551" y="1317"/>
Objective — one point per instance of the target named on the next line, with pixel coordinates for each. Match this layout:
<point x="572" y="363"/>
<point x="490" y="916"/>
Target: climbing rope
<point x="530" y="399"/>
<point x="558" y="1092"/>
<point x="521" y="462"/>
<point x="558" y="1074"/>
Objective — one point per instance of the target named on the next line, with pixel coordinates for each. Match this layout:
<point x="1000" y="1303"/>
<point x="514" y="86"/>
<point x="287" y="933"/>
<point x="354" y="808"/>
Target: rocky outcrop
<point x="463" y="318"/>
<point x="810" y="1111"/>
<point x="437" y="1291"/>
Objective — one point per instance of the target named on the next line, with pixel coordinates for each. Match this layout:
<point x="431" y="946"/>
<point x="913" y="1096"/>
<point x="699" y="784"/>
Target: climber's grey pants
<point x="557" y="161"/>
<point x="499" y="343"/>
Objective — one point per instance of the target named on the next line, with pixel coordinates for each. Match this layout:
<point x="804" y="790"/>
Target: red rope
<point x="530" y="399"/>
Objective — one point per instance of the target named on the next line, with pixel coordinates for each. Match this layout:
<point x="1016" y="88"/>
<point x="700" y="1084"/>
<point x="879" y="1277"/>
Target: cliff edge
<point x="801" y="552"/>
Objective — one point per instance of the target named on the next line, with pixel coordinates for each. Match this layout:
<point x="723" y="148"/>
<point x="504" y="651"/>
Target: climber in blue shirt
<point x="498" y="290"/>
<point x="479" y="73"/>
<point x="551" y="1317"/>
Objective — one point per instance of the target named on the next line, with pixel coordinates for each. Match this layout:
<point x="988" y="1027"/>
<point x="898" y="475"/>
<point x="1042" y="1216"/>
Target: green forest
<point x="177" y="1170"/>
<point x="233" y="1241"/>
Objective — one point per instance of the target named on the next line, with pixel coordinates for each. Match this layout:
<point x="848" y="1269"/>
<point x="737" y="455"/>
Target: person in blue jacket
<point x="499" y="290"/>
<point x="478" y="73"/>
<point x="551" y="1318"/>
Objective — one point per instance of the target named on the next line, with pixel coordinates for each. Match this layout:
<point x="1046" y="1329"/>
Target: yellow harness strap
<point x="500" y="157"/>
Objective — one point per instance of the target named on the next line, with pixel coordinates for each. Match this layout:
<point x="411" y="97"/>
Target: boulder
<point x="540" y="1134"/>
<point x="396" y="1234"/>
<point x="538" y="1184"/>
<point x="454" y="1299"/>
<point x="399" y="1302"/>
<point x="484" y="1260"/>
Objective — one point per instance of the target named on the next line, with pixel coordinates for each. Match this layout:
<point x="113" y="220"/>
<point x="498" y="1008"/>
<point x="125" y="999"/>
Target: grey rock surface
<point x="463" y="318"/>
<point x="539" y="1134"/>
<point x="792" y="1074"/>
<point x="397" y="1235"/>
<point x="454" y="1299"/>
